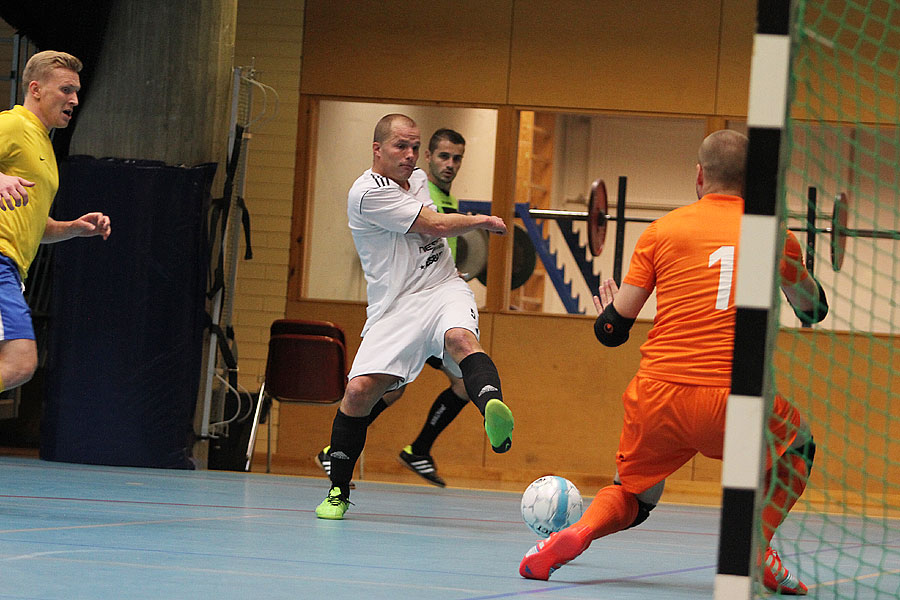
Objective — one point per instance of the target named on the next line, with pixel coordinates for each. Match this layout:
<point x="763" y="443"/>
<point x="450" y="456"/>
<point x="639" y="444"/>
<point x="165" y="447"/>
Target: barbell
<point x="597" y="218"/>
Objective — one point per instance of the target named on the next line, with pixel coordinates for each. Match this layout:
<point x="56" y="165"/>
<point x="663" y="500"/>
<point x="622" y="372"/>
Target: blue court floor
<point x="72" y="532"/>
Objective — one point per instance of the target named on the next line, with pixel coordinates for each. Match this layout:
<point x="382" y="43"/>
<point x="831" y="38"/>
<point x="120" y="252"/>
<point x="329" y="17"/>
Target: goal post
<point x="829" y="156"/>
<point x="754" y="298"/>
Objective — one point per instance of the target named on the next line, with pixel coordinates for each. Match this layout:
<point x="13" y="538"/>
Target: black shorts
<point x="435" y="363"/>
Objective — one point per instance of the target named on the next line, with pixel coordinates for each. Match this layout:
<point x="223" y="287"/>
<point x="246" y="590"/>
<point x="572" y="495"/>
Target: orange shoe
<point x="548" y="555"/>
<point x="778" y="579"/>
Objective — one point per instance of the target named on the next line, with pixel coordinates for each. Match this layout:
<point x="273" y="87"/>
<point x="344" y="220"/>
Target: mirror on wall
<point x="344" y="150"/>
<point x="559" y="154"/>
<point x="648" y="161"/>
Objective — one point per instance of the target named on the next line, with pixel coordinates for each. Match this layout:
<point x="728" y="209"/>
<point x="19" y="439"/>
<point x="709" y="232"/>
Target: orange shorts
<point x="666" y="424"/>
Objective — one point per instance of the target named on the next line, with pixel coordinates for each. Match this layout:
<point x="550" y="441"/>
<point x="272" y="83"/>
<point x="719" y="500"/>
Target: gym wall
<point x="565" y="389"/>
<point x="565" y="56"/>
<point x="616" y="58"/>
<point x="652" y="57"/>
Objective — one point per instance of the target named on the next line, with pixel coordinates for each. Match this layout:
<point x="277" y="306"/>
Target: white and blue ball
<point x="550" y="504"/>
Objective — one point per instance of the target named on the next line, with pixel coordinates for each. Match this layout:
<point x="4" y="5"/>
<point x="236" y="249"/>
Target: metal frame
<point x="213" y="422"/>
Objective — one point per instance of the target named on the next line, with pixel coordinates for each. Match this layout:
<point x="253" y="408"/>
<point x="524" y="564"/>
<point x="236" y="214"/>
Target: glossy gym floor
<point x="71" y="532"/>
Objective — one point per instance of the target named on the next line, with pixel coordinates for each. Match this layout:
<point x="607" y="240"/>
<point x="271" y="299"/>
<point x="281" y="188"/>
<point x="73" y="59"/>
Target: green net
<point x="842" y="151"/>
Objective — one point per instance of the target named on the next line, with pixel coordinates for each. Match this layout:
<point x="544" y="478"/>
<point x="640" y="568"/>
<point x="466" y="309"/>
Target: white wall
<point x="860" y="162"/>
<point x="658" y="158"/>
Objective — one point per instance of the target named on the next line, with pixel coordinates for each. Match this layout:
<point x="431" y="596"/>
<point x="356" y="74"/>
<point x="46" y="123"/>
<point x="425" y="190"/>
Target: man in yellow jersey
<point x="675" y="404"/>
<point x="28" y="182"/>
<point x="443" y="158"/>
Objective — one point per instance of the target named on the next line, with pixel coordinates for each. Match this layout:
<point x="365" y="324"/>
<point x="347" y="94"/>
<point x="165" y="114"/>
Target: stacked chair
<point x="306" y="363"/>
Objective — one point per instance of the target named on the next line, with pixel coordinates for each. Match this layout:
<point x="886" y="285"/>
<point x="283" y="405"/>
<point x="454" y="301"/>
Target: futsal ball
<point x="550" y="504"/>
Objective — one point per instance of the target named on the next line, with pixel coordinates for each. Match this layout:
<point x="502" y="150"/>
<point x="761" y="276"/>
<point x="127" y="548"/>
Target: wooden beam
<point x="500" y="251"/>
<point x="304" y="181"/>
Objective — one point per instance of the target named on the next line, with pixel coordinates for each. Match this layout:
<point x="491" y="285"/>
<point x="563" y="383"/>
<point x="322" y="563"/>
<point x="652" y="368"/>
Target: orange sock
<point x="791" y="265"/>
<point x="791" y="476"/>
<point x="612" y="510"/>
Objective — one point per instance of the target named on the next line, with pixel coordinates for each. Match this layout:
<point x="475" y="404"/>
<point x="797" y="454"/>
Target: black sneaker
<point x="323" y="459"/>
<point x="421" y="465"/>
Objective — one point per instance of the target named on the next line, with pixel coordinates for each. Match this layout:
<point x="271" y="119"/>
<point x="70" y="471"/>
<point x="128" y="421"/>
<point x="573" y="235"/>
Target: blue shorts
<point x="15" y="316"/>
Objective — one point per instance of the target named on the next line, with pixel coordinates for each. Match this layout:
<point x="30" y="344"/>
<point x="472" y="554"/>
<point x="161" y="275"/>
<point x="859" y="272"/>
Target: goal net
<point x="841" y="160"/>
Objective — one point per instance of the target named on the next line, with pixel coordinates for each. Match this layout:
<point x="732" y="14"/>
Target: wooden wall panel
<point x="856" y="430"/>
<point x="736" y="49"/>
<point x="454" y="52"/>
<point x="616" y="55"/>
<point x="565" y="391"/>
<point x="687" y="58"/>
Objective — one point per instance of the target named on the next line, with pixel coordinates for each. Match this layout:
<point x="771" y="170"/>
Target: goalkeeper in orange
<point x="675" y="404"/>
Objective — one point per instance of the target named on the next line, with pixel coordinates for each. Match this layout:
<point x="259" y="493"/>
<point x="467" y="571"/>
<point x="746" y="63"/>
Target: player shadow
<point x="660" y="586"/>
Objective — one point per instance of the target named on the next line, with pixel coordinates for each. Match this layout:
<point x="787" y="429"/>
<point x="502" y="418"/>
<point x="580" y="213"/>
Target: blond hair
<point x="39" y="66"/>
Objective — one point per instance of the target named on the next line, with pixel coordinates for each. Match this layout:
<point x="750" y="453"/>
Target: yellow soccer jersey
<point x="26" y="151"/>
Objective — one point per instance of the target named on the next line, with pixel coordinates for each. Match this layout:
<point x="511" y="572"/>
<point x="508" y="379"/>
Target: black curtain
<point x="74" y="27"/>
<point x="129" y="314"/>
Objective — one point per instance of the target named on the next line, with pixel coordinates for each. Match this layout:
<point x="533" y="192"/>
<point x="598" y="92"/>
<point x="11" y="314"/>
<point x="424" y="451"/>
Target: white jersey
<point x="395" y="263"/>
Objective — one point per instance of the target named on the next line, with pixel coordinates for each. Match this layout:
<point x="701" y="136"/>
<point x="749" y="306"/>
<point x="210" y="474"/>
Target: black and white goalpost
<point x="754" y="296"/>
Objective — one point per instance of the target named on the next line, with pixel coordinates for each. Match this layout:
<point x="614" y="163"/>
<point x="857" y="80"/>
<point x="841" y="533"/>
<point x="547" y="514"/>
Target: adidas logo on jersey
<point x="486" y="389"/>
<point x="380" y="180"/>
<point x="339" y="455"/>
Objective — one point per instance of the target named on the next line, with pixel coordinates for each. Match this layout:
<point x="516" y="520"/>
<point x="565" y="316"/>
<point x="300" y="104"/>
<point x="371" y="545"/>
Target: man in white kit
<point x="418" y="306"/>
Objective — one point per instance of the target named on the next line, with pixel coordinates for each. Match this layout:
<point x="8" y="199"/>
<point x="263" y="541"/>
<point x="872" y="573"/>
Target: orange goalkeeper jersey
<point x="690" y="256"/>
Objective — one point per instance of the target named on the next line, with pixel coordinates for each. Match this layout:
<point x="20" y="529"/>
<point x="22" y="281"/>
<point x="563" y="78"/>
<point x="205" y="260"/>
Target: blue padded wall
<point x="127" y="315"/>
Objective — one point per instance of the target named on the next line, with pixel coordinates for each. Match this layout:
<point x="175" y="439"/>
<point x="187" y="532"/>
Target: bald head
<point x="395" y="148"/>
<point x="723" y="163"/>
<point x="386" y="124"/>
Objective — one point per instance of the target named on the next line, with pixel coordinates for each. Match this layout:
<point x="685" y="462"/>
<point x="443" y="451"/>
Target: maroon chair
<point x="306" y="363"/>
<point x="326" y="328"/>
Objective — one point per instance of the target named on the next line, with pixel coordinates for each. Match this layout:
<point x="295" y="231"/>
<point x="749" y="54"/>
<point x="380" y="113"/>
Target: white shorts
<point x="413" y="329"/>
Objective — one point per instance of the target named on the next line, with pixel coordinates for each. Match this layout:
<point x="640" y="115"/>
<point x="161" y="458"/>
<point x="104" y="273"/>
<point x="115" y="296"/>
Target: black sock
<point x="348" y="438"/>
<point x="481" y="379"/>
<point x="445" y="408"/>
<point x="377" y="410"/>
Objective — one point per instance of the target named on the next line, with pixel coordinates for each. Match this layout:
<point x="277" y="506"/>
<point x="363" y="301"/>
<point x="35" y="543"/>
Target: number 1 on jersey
<point x="725" y="257"/>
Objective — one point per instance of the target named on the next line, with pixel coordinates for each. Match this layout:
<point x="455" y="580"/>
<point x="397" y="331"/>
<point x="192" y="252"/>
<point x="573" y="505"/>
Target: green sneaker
<point x="334" y="505"/>
<point x="498" y="423"/>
